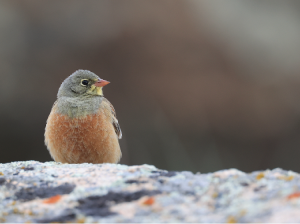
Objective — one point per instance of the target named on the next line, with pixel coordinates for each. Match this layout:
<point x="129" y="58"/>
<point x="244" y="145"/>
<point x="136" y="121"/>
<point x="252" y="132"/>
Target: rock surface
<point x="31" y="191"/>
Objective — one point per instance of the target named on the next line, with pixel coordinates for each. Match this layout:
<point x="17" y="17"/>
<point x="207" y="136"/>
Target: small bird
<point x="82" y="126"/>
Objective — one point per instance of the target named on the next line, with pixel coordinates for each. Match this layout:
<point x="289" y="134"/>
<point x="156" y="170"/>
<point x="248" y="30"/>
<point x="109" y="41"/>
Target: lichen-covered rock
<point x="53" y="192"/>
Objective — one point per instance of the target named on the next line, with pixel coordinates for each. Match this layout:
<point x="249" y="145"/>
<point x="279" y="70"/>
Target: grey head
<point x="81" y="93"/>
<point x="82" y="83"/>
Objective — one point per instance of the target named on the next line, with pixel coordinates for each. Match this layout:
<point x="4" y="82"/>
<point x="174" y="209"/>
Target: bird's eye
<point x="84" y="82"/>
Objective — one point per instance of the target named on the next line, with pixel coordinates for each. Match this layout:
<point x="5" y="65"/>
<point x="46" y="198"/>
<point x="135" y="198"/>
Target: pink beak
<point x="101" y="83"/>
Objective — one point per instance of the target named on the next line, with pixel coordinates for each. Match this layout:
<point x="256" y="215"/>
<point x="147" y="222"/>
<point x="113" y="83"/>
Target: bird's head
<point x="82" y="83"/>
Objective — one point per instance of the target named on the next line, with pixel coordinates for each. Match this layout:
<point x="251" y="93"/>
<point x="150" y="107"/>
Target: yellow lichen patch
<point x="29" y="212"/>
<point x="231" y="219"/>
<point x="260" y="176"/>
<point x="2" y="219"/>
<point x="243" y="212"/>
<point x="13" y="203"/>
<point x="215" y="195"/>
<point x="80" y="220"/>
<point x="1" y="174"/>
<point x="287" y="178"/>
<point x="23" y="167"/>
<point x="16" y="211"/>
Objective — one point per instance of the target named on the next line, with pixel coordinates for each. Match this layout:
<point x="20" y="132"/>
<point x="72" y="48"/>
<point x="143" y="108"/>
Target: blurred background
<point x="197" y="85"/>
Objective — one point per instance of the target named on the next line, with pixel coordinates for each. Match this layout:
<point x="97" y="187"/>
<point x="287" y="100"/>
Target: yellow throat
<point x="94" y="90"/>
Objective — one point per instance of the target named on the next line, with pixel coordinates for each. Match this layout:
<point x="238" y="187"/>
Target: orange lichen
<point x="1" y="174"/>
<point x="259" y="176"/>
<point x="149" y="201"/>
<point x="294" y="195"/>
<point x="52" y="200"/>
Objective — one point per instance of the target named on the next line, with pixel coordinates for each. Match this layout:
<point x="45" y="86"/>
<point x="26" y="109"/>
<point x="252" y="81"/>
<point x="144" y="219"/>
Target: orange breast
<point x="88" y="139"/>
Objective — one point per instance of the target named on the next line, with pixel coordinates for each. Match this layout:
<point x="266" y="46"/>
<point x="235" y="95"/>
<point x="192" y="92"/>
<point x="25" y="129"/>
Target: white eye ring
<point x="84" y="82"/>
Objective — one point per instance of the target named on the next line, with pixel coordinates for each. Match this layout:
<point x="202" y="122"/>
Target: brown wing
<point x="114" y="119"/>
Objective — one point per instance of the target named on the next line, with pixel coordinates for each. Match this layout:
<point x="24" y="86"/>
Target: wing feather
<point x="114" y="119"/>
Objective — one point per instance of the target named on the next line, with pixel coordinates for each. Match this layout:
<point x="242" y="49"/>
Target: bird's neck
<point x="78" y="107"/>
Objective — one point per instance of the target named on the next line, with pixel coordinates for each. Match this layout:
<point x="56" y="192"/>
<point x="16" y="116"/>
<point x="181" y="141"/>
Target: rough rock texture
<point x="53" y="192"/>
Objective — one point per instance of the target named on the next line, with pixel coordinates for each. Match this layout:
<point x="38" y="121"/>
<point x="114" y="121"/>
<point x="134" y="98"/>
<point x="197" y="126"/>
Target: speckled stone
<point x="31" y="191"/>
